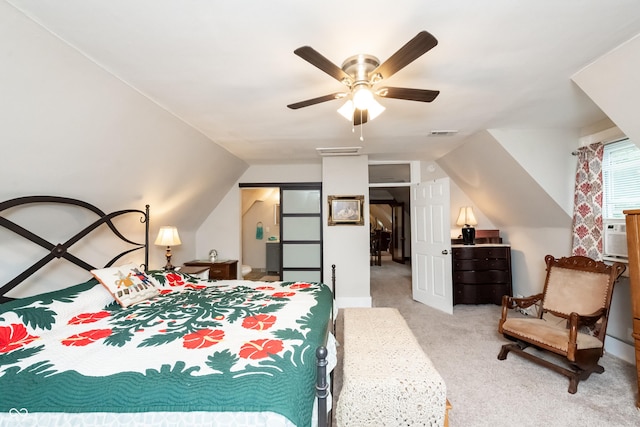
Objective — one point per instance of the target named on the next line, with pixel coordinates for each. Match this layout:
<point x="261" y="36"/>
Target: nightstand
<point x="201" y="272"/>
<point x="220" y="270"/>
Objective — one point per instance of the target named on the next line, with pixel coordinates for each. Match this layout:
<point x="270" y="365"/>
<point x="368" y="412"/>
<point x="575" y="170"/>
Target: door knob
<point x="445" y="252"/>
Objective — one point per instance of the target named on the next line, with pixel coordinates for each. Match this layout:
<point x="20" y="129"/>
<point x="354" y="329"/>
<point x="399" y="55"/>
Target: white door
<point x="431" y="244"/>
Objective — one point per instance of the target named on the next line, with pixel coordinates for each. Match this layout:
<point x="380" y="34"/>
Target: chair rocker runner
<point x="571" y="322"/>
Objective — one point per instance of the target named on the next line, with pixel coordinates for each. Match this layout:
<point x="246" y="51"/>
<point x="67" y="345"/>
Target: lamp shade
<point x="374" y="109"/>
<point x="347" y="110"/>
<point x="168" y="236"/>
<point x="466" y="217"/>
<point x="362" y="97"/>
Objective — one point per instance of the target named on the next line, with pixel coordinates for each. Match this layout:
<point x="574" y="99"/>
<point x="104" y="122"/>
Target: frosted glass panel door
<point x="301" y="231"/>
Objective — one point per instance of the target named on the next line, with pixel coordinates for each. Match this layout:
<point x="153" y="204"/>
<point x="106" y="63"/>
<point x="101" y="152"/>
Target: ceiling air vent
<point x="339" y="151"/>
<point x="443" y="132"/>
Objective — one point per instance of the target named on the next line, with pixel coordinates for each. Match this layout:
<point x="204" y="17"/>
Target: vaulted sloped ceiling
<point x="498" y="184"/>
<point x="612" y="82"/>
<point x="70" y="128"/>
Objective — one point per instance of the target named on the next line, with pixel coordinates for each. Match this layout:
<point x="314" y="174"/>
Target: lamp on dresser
<point x="466" y="220"/>
<point x="168" y="236"/>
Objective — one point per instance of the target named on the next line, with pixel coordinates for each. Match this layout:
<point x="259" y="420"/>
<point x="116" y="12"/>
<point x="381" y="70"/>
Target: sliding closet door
<point x="301" y="233"/>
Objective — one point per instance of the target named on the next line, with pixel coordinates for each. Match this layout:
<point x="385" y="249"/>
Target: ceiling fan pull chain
<point x="361" y="126"/>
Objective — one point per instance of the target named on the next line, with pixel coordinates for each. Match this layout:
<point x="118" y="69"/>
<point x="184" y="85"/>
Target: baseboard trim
<point x="354" y="302"/>
<point x="620" y="349"/>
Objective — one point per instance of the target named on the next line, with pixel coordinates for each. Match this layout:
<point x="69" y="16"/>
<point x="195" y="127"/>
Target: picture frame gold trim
<point x="346" y="210"/>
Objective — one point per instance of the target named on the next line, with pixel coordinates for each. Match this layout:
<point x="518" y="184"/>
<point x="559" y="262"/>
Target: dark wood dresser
<point x="219" y="270"/>
<point x="481" y="273"/>
<point x="633" y="244"/>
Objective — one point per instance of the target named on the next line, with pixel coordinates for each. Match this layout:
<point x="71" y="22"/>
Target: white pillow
<point x="128" y="284"/>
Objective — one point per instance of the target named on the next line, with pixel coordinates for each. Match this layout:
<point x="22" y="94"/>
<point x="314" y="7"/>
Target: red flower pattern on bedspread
<point x="175" y="279"/>
<point x="259" y="322"/>
<point x="88" y="318"/>
<point x="283" y="294"/>
<point x="13" y="337"/>
<point x="203" y="338"/>
<point x="300" y="286"/>
<point x="85" y="338"/>
<point x="259" y="349"/>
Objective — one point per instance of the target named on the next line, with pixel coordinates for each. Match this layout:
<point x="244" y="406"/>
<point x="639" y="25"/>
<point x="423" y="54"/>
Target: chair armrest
<point x="510" y="303"/>
<point x="524" y="302"/>
<point x="575" y="321"/>
<point x="586" y="319"/>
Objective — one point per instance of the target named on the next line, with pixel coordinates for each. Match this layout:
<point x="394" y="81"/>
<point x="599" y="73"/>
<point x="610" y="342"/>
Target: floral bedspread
<point x="200" y="346"/>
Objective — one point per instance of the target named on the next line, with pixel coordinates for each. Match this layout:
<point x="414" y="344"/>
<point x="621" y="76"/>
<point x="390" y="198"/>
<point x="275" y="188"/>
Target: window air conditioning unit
<point x="615" y="241"/>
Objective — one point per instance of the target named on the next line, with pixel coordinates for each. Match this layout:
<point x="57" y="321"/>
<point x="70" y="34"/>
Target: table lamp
<point x="168" y="236"/>
<point x="466" y="220"/>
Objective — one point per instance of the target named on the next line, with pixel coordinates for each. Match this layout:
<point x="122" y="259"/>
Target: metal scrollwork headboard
<point x="61" y="250"/>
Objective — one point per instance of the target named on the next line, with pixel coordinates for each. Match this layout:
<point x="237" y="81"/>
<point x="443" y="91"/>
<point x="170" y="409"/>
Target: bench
<point x="388" y="380"/>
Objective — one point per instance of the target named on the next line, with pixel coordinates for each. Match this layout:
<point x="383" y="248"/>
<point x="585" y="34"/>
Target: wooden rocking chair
<point x="571" y="322"/>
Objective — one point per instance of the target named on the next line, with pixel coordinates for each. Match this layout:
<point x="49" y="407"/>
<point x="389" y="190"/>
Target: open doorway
<point x="260" y="233"/>
<point x="390" y="224"/>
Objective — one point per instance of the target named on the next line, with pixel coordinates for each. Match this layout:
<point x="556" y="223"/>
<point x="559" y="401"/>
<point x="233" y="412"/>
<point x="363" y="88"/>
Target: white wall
<point x="69" y="128"/>
<point x="347" y="246"/>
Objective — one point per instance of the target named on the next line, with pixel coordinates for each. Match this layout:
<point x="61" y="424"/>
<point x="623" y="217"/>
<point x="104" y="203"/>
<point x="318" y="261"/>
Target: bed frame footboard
<point x="322" y="385"/>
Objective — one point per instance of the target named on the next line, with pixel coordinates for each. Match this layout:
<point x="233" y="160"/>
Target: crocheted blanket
<point x="388" y="380"/>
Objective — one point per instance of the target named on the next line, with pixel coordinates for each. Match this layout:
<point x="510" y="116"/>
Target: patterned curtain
<point x="587" y="211"/>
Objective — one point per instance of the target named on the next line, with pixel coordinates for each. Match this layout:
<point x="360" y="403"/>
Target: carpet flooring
<point x="485" y="391"/>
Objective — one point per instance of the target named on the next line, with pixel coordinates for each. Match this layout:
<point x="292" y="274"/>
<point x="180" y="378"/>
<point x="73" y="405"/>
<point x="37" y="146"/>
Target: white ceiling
<point x="228" y="68"/>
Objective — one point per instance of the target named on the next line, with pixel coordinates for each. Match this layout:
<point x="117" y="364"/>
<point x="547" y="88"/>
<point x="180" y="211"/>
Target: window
<point x="620" y="178"/>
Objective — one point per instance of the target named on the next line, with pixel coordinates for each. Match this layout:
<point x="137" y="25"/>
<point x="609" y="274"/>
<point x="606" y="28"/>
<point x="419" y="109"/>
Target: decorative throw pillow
<point x="128" y="284"/>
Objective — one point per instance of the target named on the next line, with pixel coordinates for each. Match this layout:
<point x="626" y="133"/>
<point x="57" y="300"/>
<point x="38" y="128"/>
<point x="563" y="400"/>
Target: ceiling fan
<point x="361" y="72"/>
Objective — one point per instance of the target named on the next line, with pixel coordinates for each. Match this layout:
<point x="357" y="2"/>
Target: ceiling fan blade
<point x="314" y="58"/>
<point x="318" y="100"/>
<point x="422" y="95"/>
<point x="360" y="117"/>
<point x="416" y="47"/>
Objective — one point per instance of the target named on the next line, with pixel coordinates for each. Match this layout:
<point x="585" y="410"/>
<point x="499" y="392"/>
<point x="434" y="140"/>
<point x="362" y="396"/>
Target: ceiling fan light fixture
<point x="362" y="97"/>
<point x="347" y="110"/>
<point x="375" y="109"/>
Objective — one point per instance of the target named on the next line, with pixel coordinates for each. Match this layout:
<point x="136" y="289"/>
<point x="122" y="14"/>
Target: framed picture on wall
<point x="346" y="210"/>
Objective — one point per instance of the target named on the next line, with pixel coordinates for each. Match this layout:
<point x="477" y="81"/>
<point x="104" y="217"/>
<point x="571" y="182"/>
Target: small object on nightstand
<point x="213" y="255"/>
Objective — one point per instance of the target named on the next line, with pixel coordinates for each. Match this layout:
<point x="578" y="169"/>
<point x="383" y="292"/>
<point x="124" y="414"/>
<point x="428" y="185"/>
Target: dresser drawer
<point x="479" y="294"/>
<point x="473" y="252"/>
<point x="488" y="276"/>
<point x="481" y="264"/>
<point x="219" y="271"/>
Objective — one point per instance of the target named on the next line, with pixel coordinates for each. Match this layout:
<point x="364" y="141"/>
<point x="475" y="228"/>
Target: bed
<point x="188" y="352"/>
